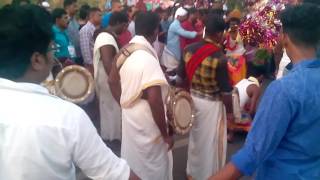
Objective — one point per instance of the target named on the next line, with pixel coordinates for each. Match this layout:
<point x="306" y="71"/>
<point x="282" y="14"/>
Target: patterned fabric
<point x="86" y="42"/>
<point x="211" y="77"/>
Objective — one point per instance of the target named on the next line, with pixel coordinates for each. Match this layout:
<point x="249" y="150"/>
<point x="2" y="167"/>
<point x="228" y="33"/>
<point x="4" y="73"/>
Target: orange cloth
<point x="237" y="69"/>
<point x="236" y="13"/>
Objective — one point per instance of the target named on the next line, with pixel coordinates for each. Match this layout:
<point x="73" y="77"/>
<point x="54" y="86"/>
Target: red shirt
<point x="124" y="38"/>
<point x="184" y="42"/>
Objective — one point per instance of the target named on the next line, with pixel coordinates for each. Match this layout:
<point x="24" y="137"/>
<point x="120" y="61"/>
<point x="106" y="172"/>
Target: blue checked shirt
<point x="86" y="42"/>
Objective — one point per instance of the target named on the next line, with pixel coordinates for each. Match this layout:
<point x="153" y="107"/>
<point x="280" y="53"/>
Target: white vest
<point x="242" y="89"/>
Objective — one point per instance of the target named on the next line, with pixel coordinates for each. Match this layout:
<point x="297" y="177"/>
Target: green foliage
<point x="262" y="56"/>
<point x="233" y="4"/>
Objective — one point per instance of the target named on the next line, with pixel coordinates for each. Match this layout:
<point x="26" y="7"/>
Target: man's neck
<point x="112" y="31"/>
<point x="93" y="23"/>
<point x="301" y="54"/>
<point x="69" y="14"/>
<point x="60" y="28"/>
<point x="149" y="40"/>
<point x="212" y="40"/>
<point x="27" y="78"/>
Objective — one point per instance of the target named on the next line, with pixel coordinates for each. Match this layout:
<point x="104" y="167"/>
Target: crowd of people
<point x="200" y="50"/>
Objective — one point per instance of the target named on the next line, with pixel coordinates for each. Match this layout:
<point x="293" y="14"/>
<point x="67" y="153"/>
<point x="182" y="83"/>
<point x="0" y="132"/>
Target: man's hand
<point x="229" y="172"/>
<point x="200" y="33"/>
<point x="169" y="141"/>
<point x="133" y="176"/>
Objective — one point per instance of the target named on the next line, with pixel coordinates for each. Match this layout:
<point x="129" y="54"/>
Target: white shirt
<point x="43" y="137"/>
<point x="131" y="28"/>
<point x="285" y="60"/>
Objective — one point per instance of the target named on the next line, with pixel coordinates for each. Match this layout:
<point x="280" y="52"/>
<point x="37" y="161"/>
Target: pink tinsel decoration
<point x="262" y="27"/>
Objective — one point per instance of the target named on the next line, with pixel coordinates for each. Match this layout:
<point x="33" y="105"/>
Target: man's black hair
<point x="255" y="70"/>
<point x="316" y="2"/>
<point x="127" y="9"/>
<point x="118" y="18"/>
<point x="218" y="12"/>
<point x="67" y="3"/>
<point x="192" y="10"/>
<point x="24" y="30"/>
<point x="234" y="19"/>
<point x="114" y="2"/>
<point x="146" y="23"/>
<point x="135" y="14"/>
<point x="214" y="24"/>
<point x="158" y="10"/>
<point x="17" y="2"/>
<point x="57" y="14"/>
<point x="94" y="9"/>
<point x="203" y="12"/>
<point x="84" y="11"/>
<point x="302" y="24"/>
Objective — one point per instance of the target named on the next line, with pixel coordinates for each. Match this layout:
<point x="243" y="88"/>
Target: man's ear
<point x="38" y="62"/>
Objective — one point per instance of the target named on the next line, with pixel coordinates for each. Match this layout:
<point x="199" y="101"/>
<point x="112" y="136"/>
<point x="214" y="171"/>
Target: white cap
<point x="180" y="12"/>
<point x="45" y="4"/>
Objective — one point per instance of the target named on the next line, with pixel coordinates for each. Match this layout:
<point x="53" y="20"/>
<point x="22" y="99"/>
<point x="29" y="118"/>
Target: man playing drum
<point x="105" y="48"/>
<point x="206" y="69"/>
<point x="145" y="140"/>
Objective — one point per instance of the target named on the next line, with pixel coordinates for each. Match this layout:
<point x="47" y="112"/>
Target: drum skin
<point x="75" y="83"/>
<point x="181" y="111"/>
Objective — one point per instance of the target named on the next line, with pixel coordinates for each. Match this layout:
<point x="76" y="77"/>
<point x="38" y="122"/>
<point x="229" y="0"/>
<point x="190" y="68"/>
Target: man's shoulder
<point x="104" y="34"/>
<point x="59" y="102"/>
<point x="174" y="24"/>
<point x="142" y="54"/>
<point x="194" y="47"/>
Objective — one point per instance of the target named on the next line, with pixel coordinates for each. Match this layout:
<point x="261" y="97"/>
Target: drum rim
<point x="179" y="129"/>
<point x="67" y="70"/>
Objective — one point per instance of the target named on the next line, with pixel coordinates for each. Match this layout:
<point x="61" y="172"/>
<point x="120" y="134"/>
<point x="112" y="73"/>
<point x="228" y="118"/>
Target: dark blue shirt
<point x="284" y="142"/>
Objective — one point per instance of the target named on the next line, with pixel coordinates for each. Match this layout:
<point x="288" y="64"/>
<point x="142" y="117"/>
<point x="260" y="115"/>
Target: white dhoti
<point x="110" y="111"/>
<point x="207" y="140"/>
<point x="142" y="144"/>
<point x="168" y="60"/>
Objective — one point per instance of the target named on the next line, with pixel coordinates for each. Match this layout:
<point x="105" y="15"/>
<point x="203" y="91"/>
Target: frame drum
<point x="75" y="83"/>
<point x="181" y="111"/>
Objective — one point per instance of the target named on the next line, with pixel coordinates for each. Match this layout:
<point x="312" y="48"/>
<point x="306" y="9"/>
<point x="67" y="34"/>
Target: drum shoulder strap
<point x="127" y="50"/>
<point x="198" y="57"/>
